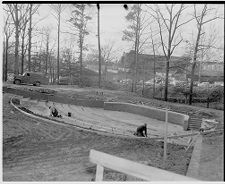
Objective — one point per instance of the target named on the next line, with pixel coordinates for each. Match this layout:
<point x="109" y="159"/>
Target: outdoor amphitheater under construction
<point x="114" y="119"/>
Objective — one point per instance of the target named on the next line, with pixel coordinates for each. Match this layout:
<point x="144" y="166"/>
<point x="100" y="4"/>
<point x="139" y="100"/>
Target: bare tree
<point x="170" y="22"/>
<point x="51" y="66"/>
<point x="67" y="60"/>
<point x="58" y="11"/>
<point x="154" y="47"/>
<point x="206" y="46"/>
<point x="79" y="20"/>
<point x="99" y="48"/>
<point x="29" y="34"/>
<point x="47" y="52"/>
<point x="8" y="31"/>
<point x="45" y="31"/>
<point x="18" y="12"/>
<point x="107" y="54"/>
<point x="23" y="36"/>
<point x="201" y="19"/>
<point x="135" y="34"/>
<point x="32" y="9"/>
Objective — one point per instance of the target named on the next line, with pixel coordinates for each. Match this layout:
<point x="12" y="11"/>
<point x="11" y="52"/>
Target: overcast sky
<point x="112" y="24"/>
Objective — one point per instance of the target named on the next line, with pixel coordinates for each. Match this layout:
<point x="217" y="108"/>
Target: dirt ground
<point x="39" y="151"/>
<point x="212" y="158"/>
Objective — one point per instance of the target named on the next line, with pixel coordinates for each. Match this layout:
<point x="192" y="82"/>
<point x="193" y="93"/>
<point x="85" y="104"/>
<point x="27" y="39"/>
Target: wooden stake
<point x="99" y="173"/>
<point x="165" y="140"/>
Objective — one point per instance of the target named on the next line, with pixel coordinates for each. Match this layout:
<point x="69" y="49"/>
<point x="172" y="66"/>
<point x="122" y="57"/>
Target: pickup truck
<point x="34" y="78"/>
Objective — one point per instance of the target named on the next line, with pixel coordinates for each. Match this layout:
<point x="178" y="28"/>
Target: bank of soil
<point x="35" y="150"/>
<point x="211" y="166"/>
<point x="74" y="92"/>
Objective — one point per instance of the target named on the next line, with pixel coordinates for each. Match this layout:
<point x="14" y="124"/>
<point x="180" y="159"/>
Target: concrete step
<point x="194" y="123"/>
<point x="195" y="120"/>
<point x="25" y="99"/>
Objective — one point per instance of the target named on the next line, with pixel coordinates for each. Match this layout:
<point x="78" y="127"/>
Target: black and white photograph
<point x="97" y="91"/>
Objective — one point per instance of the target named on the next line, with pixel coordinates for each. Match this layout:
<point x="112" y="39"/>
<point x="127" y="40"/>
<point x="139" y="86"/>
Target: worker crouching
<point x="141" y="131"/>
<point x="54" y="112"/>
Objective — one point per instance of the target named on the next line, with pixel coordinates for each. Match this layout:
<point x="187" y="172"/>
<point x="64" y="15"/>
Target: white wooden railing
<point x="131" y="168"/>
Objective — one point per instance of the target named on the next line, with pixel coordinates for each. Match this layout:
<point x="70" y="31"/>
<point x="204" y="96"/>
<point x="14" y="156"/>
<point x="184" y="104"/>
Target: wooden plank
<point x="135" y="169"/>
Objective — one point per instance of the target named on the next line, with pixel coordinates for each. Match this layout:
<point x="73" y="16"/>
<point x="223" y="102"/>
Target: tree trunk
<point x="53" y="74"/>
<point x="6" y="59"/>
<point x="194" y="65"/>
<point x="207" y="102"/>
<point x="135" y="76"/>
<point x="80" y="58"/>
<point x="3" y="63"/>
<point x="22" y="53"/>
<point x="134" y="69"/>
<point x="191" y="84"/>
<point x="105" y="71"/>
<point x="39" y="63"/>
<point x="29" y="35"/>
<point x="46" y="62"/>
<point x="70" y="75"/>
<point x="59" y="16"/>
<point x="143" y="87"/>
<point x="137" y="49"/>
<point x="166" y="79"/>
<point x="50" y="68"/>
<point x="154" y="72"/>
<point x="16" y="64"/>
<point x="99" y="49"/>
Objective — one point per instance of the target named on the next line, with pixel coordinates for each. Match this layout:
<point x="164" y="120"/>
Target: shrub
<point x="16" y="101"/>
<point x="110" y="85"/>
<point x="213" y="93"/>
<point x="216" y="94"/>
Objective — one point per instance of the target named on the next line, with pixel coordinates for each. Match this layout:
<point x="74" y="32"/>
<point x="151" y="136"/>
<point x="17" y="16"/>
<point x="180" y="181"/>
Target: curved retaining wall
<point x="59" y="98"/>
<point x="173" y="117"/>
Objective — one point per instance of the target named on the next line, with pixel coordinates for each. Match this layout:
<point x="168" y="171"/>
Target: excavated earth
<point x="114" y="122"/>
<point x="36" y="150"/>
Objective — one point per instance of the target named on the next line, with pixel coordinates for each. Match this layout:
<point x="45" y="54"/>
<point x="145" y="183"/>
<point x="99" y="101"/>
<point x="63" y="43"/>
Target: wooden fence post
<point x="165" y="139"/>
<point x="99" y="173"/>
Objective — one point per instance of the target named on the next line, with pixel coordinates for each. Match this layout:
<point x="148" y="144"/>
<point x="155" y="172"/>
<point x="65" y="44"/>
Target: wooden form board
<point x="131" y="168"/>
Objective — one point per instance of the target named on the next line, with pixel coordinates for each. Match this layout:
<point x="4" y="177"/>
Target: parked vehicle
<point x="219" y="83"/>
<point x="34" y="78"/>
<point x="204" y="84"/>
<point x="67" y="81"/>
<point x="126" y="81"/>
<point x="149" y="82"/>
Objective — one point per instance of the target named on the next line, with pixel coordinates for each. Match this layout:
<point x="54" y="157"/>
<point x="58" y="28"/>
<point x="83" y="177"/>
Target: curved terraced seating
<point x="106" y="121"/>
<point x="159" y="114"/>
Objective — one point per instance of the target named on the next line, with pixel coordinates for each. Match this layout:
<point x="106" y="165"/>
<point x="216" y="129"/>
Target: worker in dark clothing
<point x="54" y="112"/>
<point x="141" y="131"/>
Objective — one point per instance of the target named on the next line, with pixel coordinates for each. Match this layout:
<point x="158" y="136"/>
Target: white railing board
<point x="135" y="169"/>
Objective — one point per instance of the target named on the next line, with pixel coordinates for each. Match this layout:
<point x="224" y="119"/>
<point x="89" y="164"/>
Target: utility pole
<point x="99" y="48"/>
